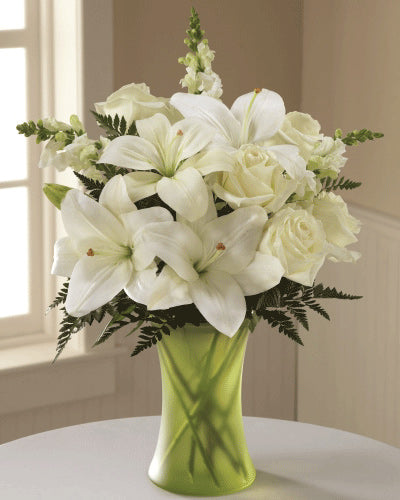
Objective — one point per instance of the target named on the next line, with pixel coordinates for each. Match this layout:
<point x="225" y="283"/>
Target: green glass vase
<point x="201" y="448"/>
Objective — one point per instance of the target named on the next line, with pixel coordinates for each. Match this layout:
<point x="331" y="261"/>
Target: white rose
<point x="327" y="157"/>
<point x="298" y="240"/>
<point x="340" y="227"/>
<point x="134" y="102"/>
<point x="299" y="129"/>
<point x="258" y="178"/>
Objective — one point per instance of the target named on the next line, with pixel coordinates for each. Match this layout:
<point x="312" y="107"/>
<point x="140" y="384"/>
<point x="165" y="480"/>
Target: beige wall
<point x="257" y="44"/>
<point x="348" y="372"/>
<point x="351" y="79"/>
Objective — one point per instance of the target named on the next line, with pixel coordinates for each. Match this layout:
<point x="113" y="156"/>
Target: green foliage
<point x="322" y="292"/>
<point x="288" y="302"/>
<point x="329" y="184"/>
<point x="55" y="193"/>
<point x="111" y="170"/>
<point x="195" y="33"/>
<point x="43" y="134"/>
<point x="114" y="127"/>
<point x="356" y="136"/>
<point x="60" y="298"/>
<point x="93" y="187"/>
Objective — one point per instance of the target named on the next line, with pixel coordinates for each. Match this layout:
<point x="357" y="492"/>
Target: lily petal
<point x="141" y="184"/>
<point x="212" y="112"/>
<point x="84" y="219"/>
<point x="136" y="221"/>
<point x="262" y="274"/>
<point x="94" y="282"/>
<point x="65" y="257"/>
<point x="211" y="161"/>
<point x="240" y="233"/>
<point x="131" y="152"/>
<point x="169" y="290"/>
<point x="155" y="130"/>
<point x="174" y="243"/>
<point x="186" y="193"/>
<point x="115" y="198"/>
<point x="220" y="300"/>
<point x="260" y="119"/>
<point x="190" y="136"/>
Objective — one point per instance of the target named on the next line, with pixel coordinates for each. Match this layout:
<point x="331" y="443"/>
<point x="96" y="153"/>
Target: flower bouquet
<point x="193" y="223"/>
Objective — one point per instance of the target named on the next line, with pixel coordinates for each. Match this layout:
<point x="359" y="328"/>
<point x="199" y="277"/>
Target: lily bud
<point x="55" y="193"/>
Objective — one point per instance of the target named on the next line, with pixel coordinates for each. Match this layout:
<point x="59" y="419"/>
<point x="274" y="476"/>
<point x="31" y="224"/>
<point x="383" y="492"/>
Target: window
<point x="21" y="249"/>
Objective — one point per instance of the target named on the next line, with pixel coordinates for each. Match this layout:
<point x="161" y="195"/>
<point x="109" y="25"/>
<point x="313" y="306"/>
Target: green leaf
<point x="322" y="292"/>
<point x="56" y="193"/>
<point x="329" y="184"/>
<point x="93" y="188"/>
<point x="114" y="127"/>
<point x="359" y="136"/>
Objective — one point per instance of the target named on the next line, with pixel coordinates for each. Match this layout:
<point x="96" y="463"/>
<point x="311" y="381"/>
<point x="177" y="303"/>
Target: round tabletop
<point x="108" y="460"/>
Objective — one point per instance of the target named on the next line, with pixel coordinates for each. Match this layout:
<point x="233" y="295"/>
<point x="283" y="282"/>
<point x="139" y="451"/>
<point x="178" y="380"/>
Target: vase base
<point x="211" y="492"/>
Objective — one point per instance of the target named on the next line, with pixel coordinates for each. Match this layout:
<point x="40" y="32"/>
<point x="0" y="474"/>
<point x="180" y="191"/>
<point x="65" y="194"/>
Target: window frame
<point x="28" y="38"/>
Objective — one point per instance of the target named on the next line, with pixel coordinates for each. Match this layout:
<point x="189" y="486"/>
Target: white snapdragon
<point x="327" y="157"/>
<point x="134" y="102"/>
<point x="200" y="78"/>
<point x="206" y="82"/>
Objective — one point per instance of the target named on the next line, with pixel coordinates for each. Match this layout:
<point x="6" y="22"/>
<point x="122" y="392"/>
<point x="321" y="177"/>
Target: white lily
<point x="99" y="253"/>
<point x="165" y="149"/>
<point x="213" y="263"/>
<point x="252" y="119"/>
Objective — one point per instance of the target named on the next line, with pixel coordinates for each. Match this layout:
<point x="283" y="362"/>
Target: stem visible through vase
<point x="201" y="448"/>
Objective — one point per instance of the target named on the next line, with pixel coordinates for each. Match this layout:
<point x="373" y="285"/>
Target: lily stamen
<point x="257" y="90"/>
<point x="179" y="132"/>
<point x="90" y="252"/>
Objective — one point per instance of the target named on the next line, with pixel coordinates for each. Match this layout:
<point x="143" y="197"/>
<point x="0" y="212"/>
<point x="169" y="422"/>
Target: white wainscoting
<point x="349" y="369"/>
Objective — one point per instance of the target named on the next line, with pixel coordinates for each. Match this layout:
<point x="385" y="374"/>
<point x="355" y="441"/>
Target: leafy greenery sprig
<point x="43" y="134"/>
<point x="329" y="184"/>
<point x="281" y="307"/>
<point x="114" y="127"/>
<point x="195" y="33"/>
<point x="357" y="136"/>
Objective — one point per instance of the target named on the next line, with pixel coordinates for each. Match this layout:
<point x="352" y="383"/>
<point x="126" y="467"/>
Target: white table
<point x="108" y="461"/>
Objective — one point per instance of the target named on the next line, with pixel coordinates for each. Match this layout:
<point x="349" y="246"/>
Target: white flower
<point x="49" y="156"/>
<point x="327" y="157"/>
<point x="99" y="253"/>
<point x="298" y="240"/>
<point x="212" y="263"/>
<point x="54" y="125"/>
<point x="134" y="102"/>
<point x="79" y="155"/>
<point x="299" y="129"/>
<point x="253" y="117"/>
<point x="340" y="227"/>
<point x="207" y="82"/>
<point x="260" y="177"/>
<point x="205" y="54"/>
<point x="165" y="148"/>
